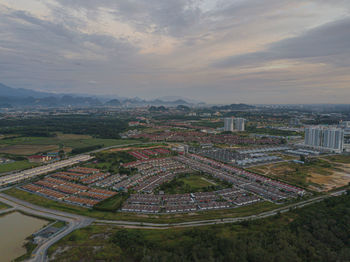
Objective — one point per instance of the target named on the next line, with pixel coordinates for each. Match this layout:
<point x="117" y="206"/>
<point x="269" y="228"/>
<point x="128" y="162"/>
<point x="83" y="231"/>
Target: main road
<point x="13" y="178"/>
<point x="40" y="170"/>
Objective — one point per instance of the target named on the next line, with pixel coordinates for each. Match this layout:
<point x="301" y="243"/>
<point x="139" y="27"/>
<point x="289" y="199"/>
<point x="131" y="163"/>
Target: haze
<point x="230" y="51"/>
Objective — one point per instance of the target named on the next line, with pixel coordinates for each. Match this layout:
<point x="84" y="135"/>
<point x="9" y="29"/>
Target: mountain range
<point x="21" y="97"/>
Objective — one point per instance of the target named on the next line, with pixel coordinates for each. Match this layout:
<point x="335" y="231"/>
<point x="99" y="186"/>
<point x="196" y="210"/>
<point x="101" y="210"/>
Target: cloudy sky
<point x="218" y="51"/>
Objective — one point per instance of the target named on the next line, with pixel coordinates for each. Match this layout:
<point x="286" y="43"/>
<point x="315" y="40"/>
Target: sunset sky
<point x="217" y="51"/>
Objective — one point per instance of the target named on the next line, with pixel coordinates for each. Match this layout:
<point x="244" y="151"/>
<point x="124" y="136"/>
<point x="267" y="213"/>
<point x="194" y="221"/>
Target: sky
<point x="216" y="51"/>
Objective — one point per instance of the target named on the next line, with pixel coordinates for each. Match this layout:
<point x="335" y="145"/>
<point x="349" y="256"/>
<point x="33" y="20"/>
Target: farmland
<point x="17" y="165"/>
<point x="32" y="145"/>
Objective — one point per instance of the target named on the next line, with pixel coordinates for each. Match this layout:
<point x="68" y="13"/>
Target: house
<point x="39" y="159"/>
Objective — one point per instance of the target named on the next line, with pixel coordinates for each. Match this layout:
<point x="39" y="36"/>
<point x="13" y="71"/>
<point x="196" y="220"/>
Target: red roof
<point x="36" y="156"/>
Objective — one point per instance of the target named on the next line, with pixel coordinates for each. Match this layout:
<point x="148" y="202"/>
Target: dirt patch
<point x="318" y="178"/>
<point x="336" y="179"/>
<point x="133" y="148"/>
<point x="71" y="136"/>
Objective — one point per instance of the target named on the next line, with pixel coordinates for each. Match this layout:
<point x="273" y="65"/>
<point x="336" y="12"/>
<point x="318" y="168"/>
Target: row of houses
<point x="69" y="187"/>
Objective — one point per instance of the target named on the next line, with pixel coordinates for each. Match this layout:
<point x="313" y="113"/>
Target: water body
<point x="14" y="228"/>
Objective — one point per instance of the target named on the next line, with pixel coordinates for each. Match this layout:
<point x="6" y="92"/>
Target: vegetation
<point x="111" y="204"/>
<point x="344" y="159"/>
<point x="320" y="232"/>
<point x="3" y="206"/>
<point x="17" y="165"/>
<point x="81" y="150"/>
<point x="29" y="246"/>
<point x="111" y="162"/>
<point x="59" y="224"/>
<point x="191" y="183"/>
<point x="270" y="131"/>
<point x="96" y="126"/>
<point x="31" y="145"/>
<point x="297" y="174"/>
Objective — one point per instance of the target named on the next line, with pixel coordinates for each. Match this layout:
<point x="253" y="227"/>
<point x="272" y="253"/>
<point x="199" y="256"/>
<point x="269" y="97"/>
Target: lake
<point x="14" y="229"/>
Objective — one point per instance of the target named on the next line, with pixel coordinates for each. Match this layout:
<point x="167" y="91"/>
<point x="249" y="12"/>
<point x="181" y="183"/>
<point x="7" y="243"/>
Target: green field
<point x="163" y="218"/>
<point x="191" y="183"/>
<point x="18" y="165"/>
<point x="59" y="224"/>
<point x="196" y="182"/>
<point x="32" y="145"/>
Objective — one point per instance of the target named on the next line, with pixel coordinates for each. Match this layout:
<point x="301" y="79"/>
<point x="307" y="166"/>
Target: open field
<point x="191" y="183"/>
<point x="223" y="213"/>
<point x="26" y="149"/>
<point x="196" y="181"/>
<point x="319" y="175"/>
<point x="139" y="147"/>
<point x="17" y="165"/>
<point x="32" y="145"/>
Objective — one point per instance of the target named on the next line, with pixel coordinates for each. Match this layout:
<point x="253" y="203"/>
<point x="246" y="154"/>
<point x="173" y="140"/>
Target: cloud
<point x="331" y="39"/>
<point x="219" y="50"/>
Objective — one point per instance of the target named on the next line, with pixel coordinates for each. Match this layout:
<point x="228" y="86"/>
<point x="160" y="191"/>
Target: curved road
<point x="74" y="222"/>
<point x="77" y="221"/>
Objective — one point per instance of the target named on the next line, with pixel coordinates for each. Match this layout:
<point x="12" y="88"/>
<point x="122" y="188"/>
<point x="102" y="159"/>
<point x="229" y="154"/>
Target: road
<point x="7" y="210"/>
<point x="40" y="170"/>
<point x="77" y="221"/>
<point x="211" y="221"/>
<point x="74" y="222"/>
<point x="13" y="178"/>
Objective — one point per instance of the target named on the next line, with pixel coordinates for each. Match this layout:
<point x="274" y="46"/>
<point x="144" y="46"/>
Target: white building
<point x="239" y="124"/>
<point x="345" y="124"/>
<point x="324" y="138"/>
<point x="228" y="124"/>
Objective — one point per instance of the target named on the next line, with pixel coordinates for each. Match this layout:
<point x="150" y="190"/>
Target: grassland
<point x="59" y="224"/>
<point x="191" y="183"/>
<point x="344" y="159"/>
<point x="3" y="206"/>
<point x="17" y="165"/>
<point x="32" y="145"/>
<point x="197" y="182"/>
<point x="164" y="218"/>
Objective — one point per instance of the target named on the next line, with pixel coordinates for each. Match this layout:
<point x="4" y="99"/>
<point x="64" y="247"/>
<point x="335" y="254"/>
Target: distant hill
<point x="20" y="97"/>
<point x="113" y="102"/>
<point x="6" y="91"/>
<point x="233" y="107"/>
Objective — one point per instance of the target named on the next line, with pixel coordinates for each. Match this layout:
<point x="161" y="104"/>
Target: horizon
<point x="219" y="52"/>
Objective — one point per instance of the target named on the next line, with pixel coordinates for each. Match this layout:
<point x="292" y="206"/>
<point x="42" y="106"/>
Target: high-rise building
<point x="228" y="124"/>
<point x="345" y="125"/>
<point x="325" y="138"/>
<point x="239" y="124"/>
